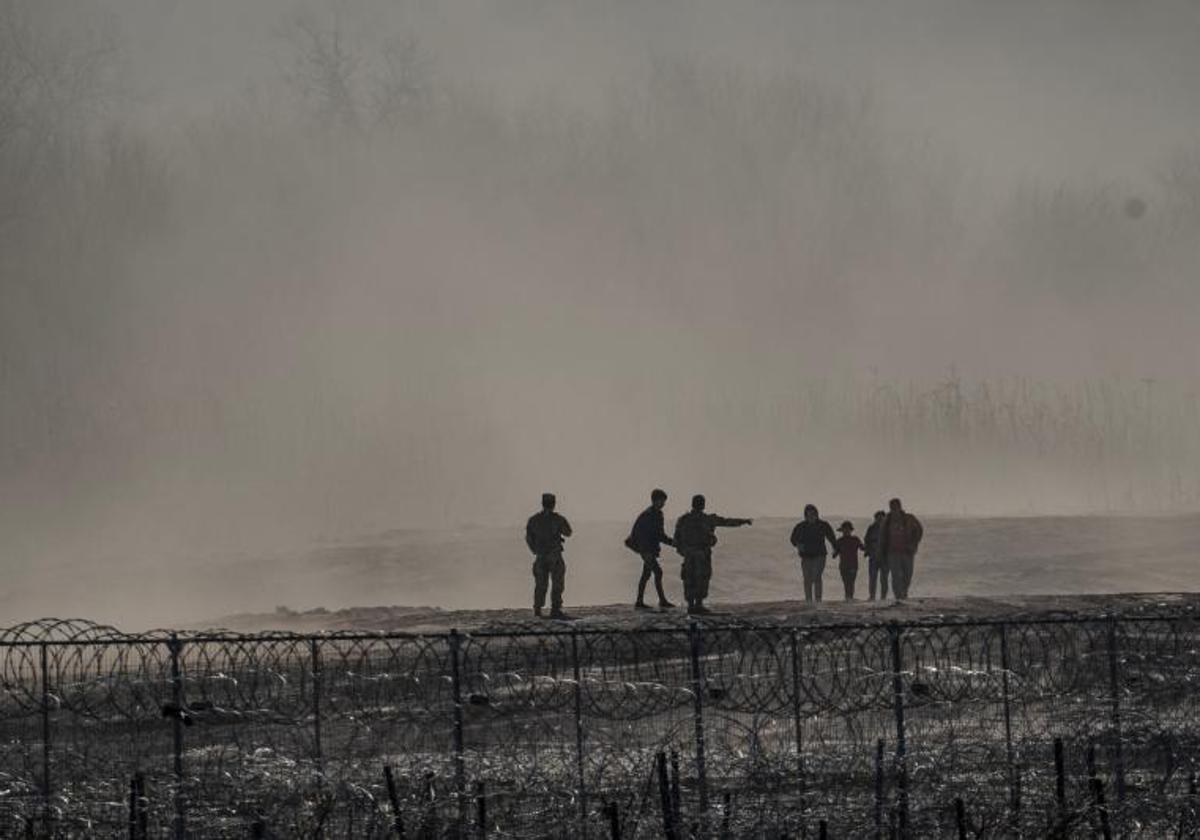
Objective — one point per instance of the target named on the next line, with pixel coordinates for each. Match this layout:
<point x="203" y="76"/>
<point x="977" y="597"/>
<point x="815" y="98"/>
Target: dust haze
<point x="281" y="275"/>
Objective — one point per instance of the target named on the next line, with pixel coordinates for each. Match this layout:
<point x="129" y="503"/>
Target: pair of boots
<point x="698" y="608"/>
<point x="663" y="604"/>
<point x="557" y="615"/>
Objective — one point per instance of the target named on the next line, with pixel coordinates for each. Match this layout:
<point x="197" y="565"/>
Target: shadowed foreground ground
<point x="620" y="616"/>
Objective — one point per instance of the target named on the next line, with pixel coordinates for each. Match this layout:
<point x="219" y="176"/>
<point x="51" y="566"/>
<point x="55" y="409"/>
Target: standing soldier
<point x="646" y="539"/>
<point x="695" y="536"/>
<point x="544" y="534"/>
<point x="877" y="570"/>
<point x="901" y="534"/>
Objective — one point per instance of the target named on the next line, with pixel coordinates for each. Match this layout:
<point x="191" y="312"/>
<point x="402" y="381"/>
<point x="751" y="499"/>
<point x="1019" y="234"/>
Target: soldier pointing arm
<point x="695" y="536"/>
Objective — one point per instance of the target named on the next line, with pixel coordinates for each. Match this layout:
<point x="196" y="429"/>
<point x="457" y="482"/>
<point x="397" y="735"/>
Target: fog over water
<point x="280" y="272"/>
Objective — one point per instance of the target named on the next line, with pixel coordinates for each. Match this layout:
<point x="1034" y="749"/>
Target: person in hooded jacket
<point x="810" y="537"/>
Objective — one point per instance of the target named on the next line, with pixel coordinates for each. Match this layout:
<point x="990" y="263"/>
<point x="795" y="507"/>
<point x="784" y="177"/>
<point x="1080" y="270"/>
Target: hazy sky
<point x="774" y="251"/>
<point x="1065" y="88"/>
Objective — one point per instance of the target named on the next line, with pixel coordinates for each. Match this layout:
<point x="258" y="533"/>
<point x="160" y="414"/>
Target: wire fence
<point x="1065" y="728"/>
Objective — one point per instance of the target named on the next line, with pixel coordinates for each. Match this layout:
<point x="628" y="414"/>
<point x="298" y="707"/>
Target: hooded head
<point x="810" y="513"/>
<point x="698" y="502"/>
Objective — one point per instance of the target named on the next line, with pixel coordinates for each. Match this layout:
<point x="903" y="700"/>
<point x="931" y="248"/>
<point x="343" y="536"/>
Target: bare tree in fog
<point x="324" y="69"/>
<point x="402" y="87"/>
<point x="54" y="80"/>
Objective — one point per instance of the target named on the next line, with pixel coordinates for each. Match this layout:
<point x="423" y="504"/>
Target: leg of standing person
<point x="692" y="575"/>
<point x="806" y="573"/>
<point x="558" y="579"/>
<point x="872" y="577"/>
<point x="541" y="579"/>
<point x="685" y="577"/>
<point x="883" y="580"/>
<point x="658" y="584"/>
<point x="705" y="577"/>
<point x="649" y="565"/>
<point x="818" y="583"/>
<point x="848" y="576"/>
<point x="901" y="566"/>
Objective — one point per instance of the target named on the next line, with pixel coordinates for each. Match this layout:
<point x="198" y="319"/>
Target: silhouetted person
<point x="847" y="548"/>
<point x="544" y="534"/>
<point x="647" y="538"/>
<point x="809" y="537"/>
<point x="695" y="536"/>
<point x="877" y="569"/>
<point x="901" y="534"/>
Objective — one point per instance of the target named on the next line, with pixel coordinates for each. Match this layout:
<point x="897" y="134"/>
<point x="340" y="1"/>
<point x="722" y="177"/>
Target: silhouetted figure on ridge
<point x="877" y="569"/>
<point x="646" y="538"/>
<point x="847" y="548"/>
<point x="901" y="534"/>
<point x="544" y="534"/>
<point x="695" y="536"/>
<point x="809" y="537"/>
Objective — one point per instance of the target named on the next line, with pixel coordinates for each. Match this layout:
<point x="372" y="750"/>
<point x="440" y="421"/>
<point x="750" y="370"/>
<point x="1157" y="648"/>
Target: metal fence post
<point x="879" y="790"/>
<point x="47" y="790"/>
<point x="460" y="776"/>
<point x="895" y="631"/>
<point x="179" y="823"/>
<point x="1013" y="782"/>
<point x="798" y="723"/>
<point x="318" y="753"/>
<point x="696" y="640"/>
<point x="1114" y="683"/>
<point x="577" y="674"/>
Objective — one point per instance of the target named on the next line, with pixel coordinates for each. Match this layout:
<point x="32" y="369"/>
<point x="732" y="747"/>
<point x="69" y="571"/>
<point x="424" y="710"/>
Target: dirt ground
<point x="620" y="616"/>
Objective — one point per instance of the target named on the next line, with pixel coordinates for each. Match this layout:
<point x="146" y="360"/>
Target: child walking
<point x="847" y="548"/>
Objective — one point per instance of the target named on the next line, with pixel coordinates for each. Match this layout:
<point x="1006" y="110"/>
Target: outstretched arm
<point x="727" y="522"/>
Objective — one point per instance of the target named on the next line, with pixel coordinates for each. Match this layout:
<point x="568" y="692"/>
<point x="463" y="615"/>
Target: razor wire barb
<point x="533" y="732"/>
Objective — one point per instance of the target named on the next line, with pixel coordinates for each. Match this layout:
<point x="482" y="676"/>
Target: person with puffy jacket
<point x="809" y="538"/>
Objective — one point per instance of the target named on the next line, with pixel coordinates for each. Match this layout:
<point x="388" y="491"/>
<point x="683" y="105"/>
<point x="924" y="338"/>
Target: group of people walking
<point x="889" y="546"/>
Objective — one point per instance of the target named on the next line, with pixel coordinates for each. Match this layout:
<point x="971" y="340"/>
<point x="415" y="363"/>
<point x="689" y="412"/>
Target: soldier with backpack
<point x="646" y="540"/>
